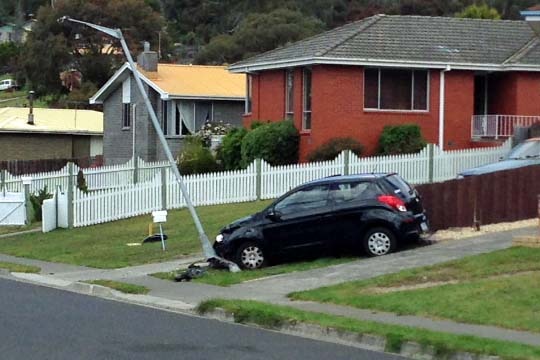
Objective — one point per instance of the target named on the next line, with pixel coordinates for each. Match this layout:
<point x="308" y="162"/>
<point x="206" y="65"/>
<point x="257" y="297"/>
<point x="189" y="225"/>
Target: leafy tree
<point x="479" y="12"/>
<point x="73" y="46"/>
<point x="259" y="33"/>
<point x="8" y="55"/>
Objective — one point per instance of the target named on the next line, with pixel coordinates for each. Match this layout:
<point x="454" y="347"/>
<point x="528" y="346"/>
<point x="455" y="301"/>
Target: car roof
<point x="339" y="178"/>
<point x="533" y="139"/>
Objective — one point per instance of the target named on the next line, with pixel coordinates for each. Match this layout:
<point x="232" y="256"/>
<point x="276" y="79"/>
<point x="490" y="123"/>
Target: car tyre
<point x="379" y="241"/>
<point x="250" y="256"/>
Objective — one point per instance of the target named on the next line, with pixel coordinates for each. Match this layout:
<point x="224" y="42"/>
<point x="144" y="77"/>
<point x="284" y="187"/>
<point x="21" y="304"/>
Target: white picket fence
<point x="114" y="194"/>
<point x="105" y="177"/>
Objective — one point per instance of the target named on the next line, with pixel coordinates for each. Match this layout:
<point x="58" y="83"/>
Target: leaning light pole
<point x="207" y="248"/>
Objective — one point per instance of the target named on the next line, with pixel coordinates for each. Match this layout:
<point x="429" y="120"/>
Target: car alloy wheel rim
<point x="379" y="243"/>
<point x="252" y="257"/>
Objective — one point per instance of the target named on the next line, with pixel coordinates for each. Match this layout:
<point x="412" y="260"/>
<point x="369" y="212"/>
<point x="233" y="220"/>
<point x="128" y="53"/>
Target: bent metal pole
<point x="208" y="251"/>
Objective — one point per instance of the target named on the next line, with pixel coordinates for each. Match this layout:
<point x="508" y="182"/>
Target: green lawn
<point x="121" y="286"/>
<point x="19" y="99"/>
<point x="273" y="316"/>
<point x="226" y="278"/>
<point x="501" y="288"/>
<point x="104" y="245"/>
<point x="19" y="267"/>
<point x="14" y="229"/>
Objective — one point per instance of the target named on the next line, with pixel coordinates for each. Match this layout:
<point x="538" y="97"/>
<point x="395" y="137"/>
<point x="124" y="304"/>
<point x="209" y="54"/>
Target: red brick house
<point x="464" y="81"/>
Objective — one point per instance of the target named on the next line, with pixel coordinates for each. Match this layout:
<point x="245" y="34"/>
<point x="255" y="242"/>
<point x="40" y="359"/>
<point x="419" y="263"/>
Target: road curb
<point x="409" y="349"/>
<point x="90" y="289"/>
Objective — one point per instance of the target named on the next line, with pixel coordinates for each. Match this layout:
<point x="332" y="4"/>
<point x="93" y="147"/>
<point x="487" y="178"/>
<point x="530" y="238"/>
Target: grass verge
<point x="121" y="286"/>
<point x="13" y="267"/>
<point x="222" y="277"/>
<point x="15" y="229"/>
<point x="505" y="283"/>
<point x="104" y="245"/>
<point x="274" y="316"/>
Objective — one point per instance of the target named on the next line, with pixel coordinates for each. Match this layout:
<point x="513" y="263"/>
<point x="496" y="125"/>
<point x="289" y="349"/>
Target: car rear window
<point x="400" y="185"/>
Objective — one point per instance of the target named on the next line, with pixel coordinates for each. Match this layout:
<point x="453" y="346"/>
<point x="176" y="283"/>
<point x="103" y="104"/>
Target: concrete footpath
<point x="184" y="296"/>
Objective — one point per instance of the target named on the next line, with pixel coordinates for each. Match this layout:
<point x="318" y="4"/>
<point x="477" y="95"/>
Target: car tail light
<point x="393" y="202"/>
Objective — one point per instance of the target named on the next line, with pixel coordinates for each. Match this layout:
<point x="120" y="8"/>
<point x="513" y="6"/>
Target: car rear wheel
<point x="379" y="241"/>
<point x="250" y="256"/>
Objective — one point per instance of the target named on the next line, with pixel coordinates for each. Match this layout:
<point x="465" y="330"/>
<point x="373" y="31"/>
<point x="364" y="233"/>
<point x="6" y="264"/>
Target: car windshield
<point x="528" y="149"/>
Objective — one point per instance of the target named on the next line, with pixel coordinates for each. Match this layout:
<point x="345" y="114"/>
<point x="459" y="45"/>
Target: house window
<point x="249" y="89"/>
<point x="165" y="117"/>
<point x="396" y="89"/>
<point x="289" y="94"/>
<point x="306" y="118"/>
<point x="126" y="116"/>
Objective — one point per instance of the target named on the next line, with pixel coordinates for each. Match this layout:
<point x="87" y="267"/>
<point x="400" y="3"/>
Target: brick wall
<point x="338" y="105"/>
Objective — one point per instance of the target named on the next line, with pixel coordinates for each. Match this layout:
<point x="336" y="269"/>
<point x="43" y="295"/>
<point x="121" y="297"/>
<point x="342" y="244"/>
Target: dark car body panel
<point x="336" y="225"/>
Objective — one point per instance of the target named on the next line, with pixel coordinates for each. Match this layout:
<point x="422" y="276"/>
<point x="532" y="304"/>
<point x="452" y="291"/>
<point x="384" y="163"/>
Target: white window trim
<point x="130" y="116"/>
<point x="304" y="97"/>
<point x="248" y="104"/>
<point x="378" y="109"/>
<point x="289" y="108"/>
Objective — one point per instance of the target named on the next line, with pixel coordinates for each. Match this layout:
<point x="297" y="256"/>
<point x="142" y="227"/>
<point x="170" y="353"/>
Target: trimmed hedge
<point x="275" y="142"/>
<point x="195" y="158"/>
<point x="401" y="139"/>
<point x="230" y="151"/>
<point x="331" y="149"/>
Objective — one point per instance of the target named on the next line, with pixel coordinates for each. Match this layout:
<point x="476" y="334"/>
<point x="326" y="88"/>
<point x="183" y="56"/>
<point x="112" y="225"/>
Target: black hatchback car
<point x="372" y="212"/>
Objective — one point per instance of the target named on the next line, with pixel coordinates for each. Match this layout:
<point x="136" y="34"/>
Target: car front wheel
<point x="379" y="241"/>
<point x="250" y="256"/>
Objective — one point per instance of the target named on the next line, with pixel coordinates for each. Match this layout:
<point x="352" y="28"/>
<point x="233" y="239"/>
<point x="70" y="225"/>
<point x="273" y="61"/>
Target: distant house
<point x="463" y="81"/>
<point x="54" y="134"/>
<point x="184" y="97"/>
<point x="14" y="33"/>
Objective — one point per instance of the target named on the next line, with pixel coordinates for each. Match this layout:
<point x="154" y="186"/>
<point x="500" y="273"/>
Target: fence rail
<point x="137" y="187"/>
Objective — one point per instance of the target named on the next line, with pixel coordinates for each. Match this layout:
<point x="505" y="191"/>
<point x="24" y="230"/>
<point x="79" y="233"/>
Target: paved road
<point x="44" y="323"/>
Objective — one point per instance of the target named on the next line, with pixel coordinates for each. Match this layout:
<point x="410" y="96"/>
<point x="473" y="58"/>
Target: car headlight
<point x="219" y="238"/>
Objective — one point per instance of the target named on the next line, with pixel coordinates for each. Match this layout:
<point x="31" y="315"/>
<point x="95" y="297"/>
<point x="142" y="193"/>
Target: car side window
<point x="349" y="192"/>
<point x="306" y="199"/>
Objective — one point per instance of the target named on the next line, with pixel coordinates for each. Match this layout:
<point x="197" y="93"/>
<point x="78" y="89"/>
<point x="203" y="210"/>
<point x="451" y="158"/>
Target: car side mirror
<point x="273" y="215"/>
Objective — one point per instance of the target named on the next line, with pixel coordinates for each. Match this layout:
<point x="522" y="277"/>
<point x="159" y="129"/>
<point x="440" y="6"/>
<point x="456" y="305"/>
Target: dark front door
<point x="480" y="95"/>
<point x="299" y="223"/>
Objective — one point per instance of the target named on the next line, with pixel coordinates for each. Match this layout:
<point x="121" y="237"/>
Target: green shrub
<point x="81" y="182"/>
<point x="401" y="139"/>
<point x="331" y="149"/>
<point x="37" y="200"/>
<point x="195" y="158"/>
<point x="230" y="151"/>
<point x="276" y="142"/>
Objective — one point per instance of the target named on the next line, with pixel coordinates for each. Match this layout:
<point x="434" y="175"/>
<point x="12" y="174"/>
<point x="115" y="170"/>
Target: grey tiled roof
<point x="416" y="39"/>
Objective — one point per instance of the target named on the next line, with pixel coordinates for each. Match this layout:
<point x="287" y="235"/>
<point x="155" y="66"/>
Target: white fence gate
<point x="12" y="208"/>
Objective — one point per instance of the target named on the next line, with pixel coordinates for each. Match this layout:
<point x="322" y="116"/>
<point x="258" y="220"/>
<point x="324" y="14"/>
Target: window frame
<point x="379" y="91"/>
<point x="248" y="108"/>
<point x="126" y="116"/>
<point x="165" y="117"/>
<point x="307" y="113"/>
<point x="289" y="94"/>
